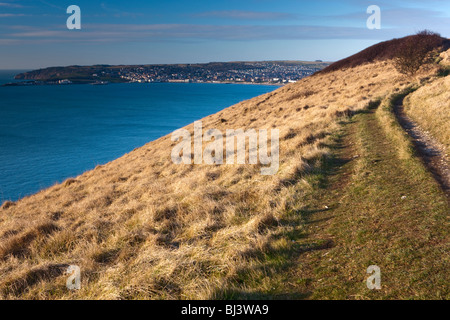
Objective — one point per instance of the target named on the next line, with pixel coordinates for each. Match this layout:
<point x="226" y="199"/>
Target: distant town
<point x="266" y="72"/>
<point x="252" y="72"/>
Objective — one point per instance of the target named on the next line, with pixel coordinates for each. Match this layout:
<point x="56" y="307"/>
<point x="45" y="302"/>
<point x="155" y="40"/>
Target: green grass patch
<point x="366" y="206"/>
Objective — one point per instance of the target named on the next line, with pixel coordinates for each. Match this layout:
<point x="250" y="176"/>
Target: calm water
<point x="50" y="133"/>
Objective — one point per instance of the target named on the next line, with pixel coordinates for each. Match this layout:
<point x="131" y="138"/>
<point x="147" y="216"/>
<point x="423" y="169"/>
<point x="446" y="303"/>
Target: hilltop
<point x="351" y="191"/>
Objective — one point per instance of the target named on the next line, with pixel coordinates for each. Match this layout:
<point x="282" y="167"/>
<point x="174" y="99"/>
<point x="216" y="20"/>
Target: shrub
<point x="416" y="51"/>
<point x="397" y="49"/>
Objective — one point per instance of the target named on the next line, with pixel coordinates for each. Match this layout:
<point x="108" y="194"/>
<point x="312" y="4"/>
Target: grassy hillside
<point x="142" y="227"/>
<point x="430" y="107"/>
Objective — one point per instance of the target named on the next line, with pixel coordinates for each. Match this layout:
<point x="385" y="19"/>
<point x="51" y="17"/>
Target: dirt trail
<point x="374" y="211"/>
<point x="432" y="152"/>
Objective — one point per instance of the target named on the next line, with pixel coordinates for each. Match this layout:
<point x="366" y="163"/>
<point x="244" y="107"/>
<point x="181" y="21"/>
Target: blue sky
<point x="33" y="33"/>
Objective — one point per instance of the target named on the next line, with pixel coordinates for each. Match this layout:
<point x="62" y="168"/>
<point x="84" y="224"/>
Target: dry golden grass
<point x="445" y="57"/>
<point x="142" y="227"/>
<point x="429" y="106"/>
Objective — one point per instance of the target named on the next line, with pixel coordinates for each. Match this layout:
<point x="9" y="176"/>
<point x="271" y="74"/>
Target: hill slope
<point x="144" y="227"/>
<point x="430" y="106"/>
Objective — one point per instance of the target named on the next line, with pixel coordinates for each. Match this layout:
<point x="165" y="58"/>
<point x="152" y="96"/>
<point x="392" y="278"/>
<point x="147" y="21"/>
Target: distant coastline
<point x="51" y="83"/>
<point x="260" y="73"/>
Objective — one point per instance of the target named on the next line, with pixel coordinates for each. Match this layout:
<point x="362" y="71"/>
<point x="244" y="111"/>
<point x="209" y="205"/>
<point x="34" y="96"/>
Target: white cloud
<point x="12" y="15"/>
<point x="10" y="5"/>
<point x="247" y="15"/>
<point x="170" y="32"/>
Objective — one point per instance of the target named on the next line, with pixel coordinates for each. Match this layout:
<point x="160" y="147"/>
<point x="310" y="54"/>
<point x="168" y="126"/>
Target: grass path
<point x="392" y="215"/>
<point x="367" y="207"/>
<point x="431" y="151"/>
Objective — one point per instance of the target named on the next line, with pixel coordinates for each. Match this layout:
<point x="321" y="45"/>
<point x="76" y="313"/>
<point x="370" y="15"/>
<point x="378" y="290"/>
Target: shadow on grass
<point x="270" y="271"/>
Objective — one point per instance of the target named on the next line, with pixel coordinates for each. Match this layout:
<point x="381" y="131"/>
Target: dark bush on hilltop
<point x="398" y="49"/>
<point x="416" y="51"/>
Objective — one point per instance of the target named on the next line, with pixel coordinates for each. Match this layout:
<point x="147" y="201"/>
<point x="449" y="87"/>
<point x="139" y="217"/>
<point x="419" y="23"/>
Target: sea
<point x="49" y="133"/>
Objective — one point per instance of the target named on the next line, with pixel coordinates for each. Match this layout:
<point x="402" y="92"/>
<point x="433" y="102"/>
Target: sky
<point x="34" y="34"/>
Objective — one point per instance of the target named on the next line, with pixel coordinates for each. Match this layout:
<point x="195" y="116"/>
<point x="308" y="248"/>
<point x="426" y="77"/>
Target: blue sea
<point x="51" y="133"/>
